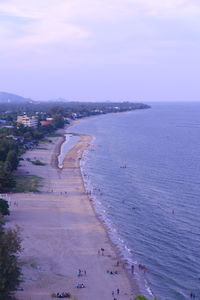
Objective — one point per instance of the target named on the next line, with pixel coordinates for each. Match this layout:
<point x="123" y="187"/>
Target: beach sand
<point x="62" y="234"/>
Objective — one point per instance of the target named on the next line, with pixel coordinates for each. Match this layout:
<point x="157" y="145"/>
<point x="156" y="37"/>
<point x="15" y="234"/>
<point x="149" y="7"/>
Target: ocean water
<point x="143" y="169"/>
<point x="70" y="141"/>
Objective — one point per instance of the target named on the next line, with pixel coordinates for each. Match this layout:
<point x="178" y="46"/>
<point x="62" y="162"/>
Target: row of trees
<point x="10" y="247"/>
<point x="9" y="154"/>
<point x="9" y="111"/>
<point x="9" y="160"/>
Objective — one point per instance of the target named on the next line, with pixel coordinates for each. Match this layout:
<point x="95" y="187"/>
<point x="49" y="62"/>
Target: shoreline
<point x="61" y="233"/>
<point x="119" y="254"/>
<point x="117" y="251"/>
<point x="141" y="284"/>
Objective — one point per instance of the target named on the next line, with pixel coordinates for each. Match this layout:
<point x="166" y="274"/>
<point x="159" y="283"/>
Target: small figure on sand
<point x="102" y="251"/>
<point x="63" y="295"/>
<point x="80" y="286"/>
<point x="192" y="295"/>
<point x="142" y="267"/>
<point x="132" y="269"/>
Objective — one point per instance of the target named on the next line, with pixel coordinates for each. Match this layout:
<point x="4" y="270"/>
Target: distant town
<point x="25" y="122"/>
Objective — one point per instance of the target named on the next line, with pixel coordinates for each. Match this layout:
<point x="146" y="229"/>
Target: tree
<point x="6" y="180"/>
<point x="4" y="207"/>
<point x="58" y="121"/>
<point x="56" y="109"/>
<point x="12" y="158"/>
<point x="10" y="271"/>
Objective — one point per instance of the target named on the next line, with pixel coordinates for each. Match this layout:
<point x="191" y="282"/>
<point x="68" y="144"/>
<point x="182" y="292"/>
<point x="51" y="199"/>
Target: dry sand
<point x="61" y="233"/>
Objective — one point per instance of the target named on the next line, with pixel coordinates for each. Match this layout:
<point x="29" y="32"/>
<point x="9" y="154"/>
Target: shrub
<point x="38" y="163"/>
<point x="4" y="207"/>
<point x="10" y="271"/>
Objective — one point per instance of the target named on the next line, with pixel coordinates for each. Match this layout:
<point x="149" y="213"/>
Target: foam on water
<point x="151" y="207"/>
<point x="120" y="244"/>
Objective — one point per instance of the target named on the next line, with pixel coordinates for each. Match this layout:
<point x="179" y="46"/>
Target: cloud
<point x="104" y="28"/>
<point x="42" y="24"/>
<point x="61" y="19"/>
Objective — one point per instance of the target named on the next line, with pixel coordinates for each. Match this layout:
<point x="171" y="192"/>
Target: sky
<point x="99" y="50"/>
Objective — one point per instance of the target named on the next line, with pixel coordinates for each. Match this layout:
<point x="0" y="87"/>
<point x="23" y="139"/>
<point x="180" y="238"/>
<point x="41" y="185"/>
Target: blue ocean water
<point x="144" y="171"/>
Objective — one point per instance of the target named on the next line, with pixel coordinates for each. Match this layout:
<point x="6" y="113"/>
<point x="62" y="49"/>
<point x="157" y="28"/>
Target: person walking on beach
<point x="113" y="293"/>
<point x="132" y="269"/>
<point x="102" y="251"/>
<point x="117" y="291"/>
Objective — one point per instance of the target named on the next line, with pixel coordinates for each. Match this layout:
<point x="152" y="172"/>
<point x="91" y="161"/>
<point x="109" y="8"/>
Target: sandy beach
<point x="61" y="233"/>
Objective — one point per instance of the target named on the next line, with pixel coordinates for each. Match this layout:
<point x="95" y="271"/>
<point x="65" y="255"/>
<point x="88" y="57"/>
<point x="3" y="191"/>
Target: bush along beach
<point x="10" y="270"/>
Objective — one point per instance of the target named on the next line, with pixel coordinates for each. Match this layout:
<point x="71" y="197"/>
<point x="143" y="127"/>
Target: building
<point x="46" y="122"/>
<point x="27" y="121"/>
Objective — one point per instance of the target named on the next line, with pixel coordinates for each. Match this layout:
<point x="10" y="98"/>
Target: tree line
<point x="10" y="247"/>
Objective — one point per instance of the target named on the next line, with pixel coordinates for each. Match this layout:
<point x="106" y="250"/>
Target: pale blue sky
<point x="136" y="50"/>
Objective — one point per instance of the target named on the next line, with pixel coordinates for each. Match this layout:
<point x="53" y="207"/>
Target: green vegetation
<point x="8" y="162"/>
<point x="15" y="139"/>
<point x="4" y="207"/>
<point x="58" y="121"/>
<point x="9" y="111"/>
<point x="45" y="141"/>
<point x="38" y="163"/>
<point x="27" y="183"/>
<point x="7" y="181"/>
<point x="54" y="135"/>
<point x="10" y="270"/>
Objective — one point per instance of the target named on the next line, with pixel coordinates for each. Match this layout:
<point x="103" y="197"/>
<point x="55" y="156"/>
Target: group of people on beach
<point x="81" y="273"/>
<point x="117" y="293"/>
<point x="63" y="295"/>
<point x="80" y="286"/>
<point x="112" y="272"/>
<point x="142" y="267"/>
<point x="101" y="251"/>
<point x="192" y="295"/>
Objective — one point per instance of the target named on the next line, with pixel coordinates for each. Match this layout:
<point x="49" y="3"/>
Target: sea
<point x="143" y="171"/>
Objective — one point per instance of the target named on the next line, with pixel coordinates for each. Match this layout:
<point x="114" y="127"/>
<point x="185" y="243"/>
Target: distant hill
<point x="60" y="99"/>
<point x="11" y="98"/>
